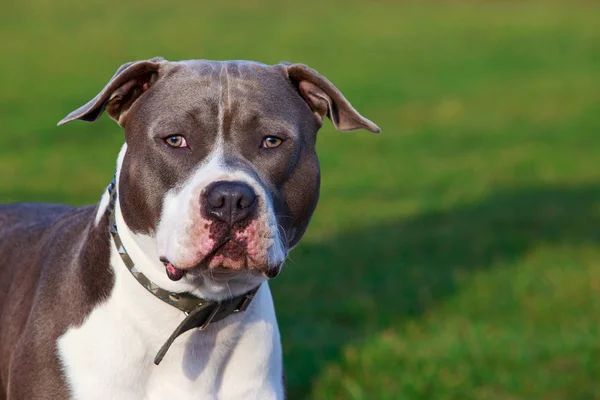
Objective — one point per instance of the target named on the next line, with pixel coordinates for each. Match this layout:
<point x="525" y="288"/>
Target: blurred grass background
<point x="455" y="256"/>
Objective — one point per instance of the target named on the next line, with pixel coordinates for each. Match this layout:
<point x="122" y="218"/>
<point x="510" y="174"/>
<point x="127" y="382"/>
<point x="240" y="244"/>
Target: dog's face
<point x="220" y="167"/>
<point x="227" y="149"/>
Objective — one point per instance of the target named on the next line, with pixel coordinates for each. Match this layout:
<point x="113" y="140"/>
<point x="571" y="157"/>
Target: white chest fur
<point x="110" y="356"/>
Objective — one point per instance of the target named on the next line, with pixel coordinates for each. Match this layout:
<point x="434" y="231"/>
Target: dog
<point x="161" y="290"/>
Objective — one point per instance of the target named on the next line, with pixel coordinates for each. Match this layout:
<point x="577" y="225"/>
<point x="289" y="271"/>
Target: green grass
<point x="455" y="256"/>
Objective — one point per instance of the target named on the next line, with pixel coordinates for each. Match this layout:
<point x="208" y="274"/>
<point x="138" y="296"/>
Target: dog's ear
<point x="127" y="84"/>
<point x="326" y="100"/>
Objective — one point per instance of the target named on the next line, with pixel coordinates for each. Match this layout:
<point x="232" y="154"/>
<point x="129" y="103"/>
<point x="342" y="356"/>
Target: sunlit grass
<point x="451" y="257"/>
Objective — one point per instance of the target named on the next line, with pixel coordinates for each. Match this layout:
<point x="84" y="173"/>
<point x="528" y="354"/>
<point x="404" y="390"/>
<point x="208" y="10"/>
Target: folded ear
<point x="326" y="100"/>
<point x="123" y="89"/>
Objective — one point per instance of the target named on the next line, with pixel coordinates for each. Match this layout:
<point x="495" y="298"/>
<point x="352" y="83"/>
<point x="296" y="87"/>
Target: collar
<point x="199" y="312"/>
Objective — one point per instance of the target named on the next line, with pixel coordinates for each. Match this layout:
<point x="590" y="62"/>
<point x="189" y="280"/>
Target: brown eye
<point x="270" y="142"/>
<point x="176" y="141"/>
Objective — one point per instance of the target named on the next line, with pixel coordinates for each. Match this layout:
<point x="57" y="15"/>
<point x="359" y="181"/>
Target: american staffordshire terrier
<point x="160" y="290"/>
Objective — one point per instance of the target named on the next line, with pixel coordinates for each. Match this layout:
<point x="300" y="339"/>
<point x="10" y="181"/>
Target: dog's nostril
<point x="246" y="201"/>
<point x="216" y="200"/>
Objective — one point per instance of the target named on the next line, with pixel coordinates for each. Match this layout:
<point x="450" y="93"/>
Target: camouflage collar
<point x="199" y="312"/>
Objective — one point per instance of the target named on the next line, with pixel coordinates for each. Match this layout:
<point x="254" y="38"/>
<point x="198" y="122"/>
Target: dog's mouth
<point x="228" y="249"/>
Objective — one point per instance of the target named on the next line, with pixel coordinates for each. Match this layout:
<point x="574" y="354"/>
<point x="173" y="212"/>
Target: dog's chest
<point x="110" y="356"/>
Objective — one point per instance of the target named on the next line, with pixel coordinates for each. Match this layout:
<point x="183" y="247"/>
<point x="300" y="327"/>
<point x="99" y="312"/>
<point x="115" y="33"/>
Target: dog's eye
<point x="176" y="141"/>
<point x="270" y="142"/>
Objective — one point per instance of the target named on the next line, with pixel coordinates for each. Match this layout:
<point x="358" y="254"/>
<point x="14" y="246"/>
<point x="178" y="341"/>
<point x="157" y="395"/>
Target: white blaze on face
<point x="184" y="237"/>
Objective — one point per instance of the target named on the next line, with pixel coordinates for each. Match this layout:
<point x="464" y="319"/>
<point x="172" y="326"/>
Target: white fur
<point x="102" y="207"/>
<point x="106" y="196"/>
<point x="110" y="356"/>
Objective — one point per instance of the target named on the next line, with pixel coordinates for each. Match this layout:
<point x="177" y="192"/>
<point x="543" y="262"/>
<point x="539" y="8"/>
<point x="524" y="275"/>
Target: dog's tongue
<point x="173" y="273"/>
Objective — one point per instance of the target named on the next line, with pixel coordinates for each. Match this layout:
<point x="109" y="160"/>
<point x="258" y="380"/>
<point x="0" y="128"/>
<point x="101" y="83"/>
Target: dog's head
<point x="220" y="168"/>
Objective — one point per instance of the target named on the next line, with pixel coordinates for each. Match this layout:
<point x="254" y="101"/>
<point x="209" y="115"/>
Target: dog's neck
<point x="229" y="359"/>
<point x="200" y="313"/>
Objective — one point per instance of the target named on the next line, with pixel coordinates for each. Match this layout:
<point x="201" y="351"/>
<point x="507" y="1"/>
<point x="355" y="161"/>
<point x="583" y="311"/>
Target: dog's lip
<point x="218" y="273"/>
<point x="173" y="272"/>
<point x="272" y="272"/>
